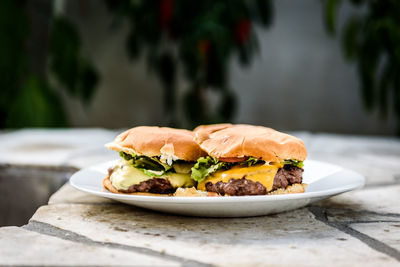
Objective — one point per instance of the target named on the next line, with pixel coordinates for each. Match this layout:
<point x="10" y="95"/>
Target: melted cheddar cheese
<point x="263" y="174"/>
<point x="125" y="175"/>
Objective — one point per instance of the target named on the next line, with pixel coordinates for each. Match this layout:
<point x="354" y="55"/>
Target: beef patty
<point x="153" y="185"/>
<point x="240" y="187"/>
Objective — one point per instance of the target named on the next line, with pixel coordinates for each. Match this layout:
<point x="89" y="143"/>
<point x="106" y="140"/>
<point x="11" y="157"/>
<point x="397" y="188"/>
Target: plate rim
<point x="359" y="182"/>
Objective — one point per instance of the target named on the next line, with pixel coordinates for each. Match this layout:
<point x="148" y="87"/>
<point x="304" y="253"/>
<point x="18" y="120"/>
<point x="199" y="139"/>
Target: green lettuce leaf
<point x="125" y="156"/>
<point x="251" y="161"/>
<point x="293" y="162"/>
<point x="206" y="166"/>
<point x="153" y="173"/>
<point x="150" y="166"/>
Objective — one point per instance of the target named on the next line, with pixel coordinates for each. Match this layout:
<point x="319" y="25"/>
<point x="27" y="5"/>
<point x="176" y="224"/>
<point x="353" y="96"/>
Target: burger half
<point x="153" y="160"/>
<point x="248" y="160"/>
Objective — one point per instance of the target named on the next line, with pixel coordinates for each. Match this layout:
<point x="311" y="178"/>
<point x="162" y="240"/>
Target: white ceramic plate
<point x="324" y="180"/>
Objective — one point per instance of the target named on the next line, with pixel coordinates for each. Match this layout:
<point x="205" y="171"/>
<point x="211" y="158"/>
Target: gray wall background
<point x="299" y="81"/>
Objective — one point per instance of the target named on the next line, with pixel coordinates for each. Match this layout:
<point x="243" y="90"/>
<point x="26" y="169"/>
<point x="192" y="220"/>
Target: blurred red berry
<point x="242" y="30"/>
<point x="204" y="48"/>
<point x="166" y="8"/>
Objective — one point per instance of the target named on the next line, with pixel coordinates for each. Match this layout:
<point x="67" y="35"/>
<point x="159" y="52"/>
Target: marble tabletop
<point x="356" y="228"/>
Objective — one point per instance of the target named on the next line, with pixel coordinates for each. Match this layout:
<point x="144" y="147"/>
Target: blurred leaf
<point x="368" y="64"/>
<point x="76" y="74"/>
<point x="133" y="45"/>
<point x="88" y="79"/>
<point x="166" y="69"/>
<point x="330" y="15"/>
<point x="385" y="83"/>
<point x="367" y="88"/>
<point x="396" y="94"/>
<point x="350" y="40"/>
<point x="227" y="108"/>
<point x="265" y="10"/>
<point x="14" y="29"/>
<point x="244" y="56"/>
<point x="64" y="51"/>
<point x="194" y="107"/>
<point x="358" y="2"/>
<point x="36" y="105"/>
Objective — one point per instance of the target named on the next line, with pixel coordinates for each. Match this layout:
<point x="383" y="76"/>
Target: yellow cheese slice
<point x="125" y="175"/>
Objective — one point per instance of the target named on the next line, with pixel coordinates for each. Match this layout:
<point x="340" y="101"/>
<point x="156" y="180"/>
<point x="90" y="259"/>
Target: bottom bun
<point x="193" y="192"/>
<point x="291" y="189"/>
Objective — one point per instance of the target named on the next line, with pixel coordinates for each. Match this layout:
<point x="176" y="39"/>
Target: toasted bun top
<point x="158" y="141"/>
<point x="237" y="141"/>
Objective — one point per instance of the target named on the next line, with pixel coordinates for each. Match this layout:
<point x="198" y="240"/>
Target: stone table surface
<point x="359" y="228"/>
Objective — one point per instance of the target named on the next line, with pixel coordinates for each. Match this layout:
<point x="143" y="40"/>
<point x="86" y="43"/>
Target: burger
<point x="155" y="160"/>
<point x="248" y="160"/>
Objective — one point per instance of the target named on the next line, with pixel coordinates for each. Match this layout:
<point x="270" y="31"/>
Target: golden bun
<point x="241" y="140"/>
<point x="158" y="141"/>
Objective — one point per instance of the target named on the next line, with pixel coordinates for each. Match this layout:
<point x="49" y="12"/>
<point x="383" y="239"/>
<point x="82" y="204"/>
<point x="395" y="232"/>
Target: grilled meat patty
<point x="235" y="187"/>
<point x="288" y="175"/>
<point x="240" y="187"/>
<point x="153" y="185"/>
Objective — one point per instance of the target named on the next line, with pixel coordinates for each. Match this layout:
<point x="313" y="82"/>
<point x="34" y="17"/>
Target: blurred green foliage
<point x="27" y="99"/>
<point x="76" y="74"/>
<point x="371" y="39"/>
<point x="196" y="39"/>
<point x="35" y="104"/>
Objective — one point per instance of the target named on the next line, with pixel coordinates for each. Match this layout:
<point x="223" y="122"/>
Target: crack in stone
<point x="365" y="212"/>
<point x="320" y="214"/>
<point x="50" y="230"/>
<point x="372" y="221"/>
<point x="377" y="185"/>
